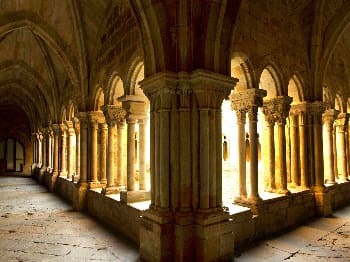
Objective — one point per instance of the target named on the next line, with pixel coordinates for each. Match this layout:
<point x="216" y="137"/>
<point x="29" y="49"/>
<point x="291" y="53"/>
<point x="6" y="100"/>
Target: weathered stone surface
<point x="37" y="226"/>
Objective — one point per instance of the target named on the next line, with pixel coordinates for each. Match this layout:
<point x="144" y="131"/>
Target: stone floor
<point x="35" y="225"/>
<point x="326" y="239"/>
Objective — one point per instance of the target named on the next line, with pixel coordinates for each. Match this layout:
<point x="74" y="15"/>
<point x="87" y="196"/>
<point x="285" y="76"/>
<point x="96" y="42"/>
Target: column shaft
<point x="142" y="154"/>
<point x="282" y="156"/>
<point x="241" y="118"/>
<point x="271" y="156"/>
<point x="103" y="151"/>
<point x="131" y="156"/>
<point x="294" y="145"/>
<point x="253" y="135"/>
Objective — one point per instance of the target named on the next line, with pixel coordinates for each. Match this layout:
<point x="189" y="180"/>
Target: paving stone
<point x="325" y="239"/>
<point x="36" y="225"/>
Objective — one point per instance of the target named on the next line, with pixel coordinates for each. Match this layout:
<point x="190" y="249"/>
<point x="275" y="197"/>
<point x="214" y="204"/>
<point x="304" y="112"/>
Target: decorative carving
<point x="277" y="109"/>
<point x="241" y="116"/>
<point x="114" y="114"/>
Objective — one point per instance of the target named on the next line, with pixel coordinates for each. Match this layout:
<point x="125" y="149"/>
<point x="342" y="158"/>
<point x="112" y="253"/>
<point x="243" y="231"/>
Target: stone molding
<point x="208" y="88"/>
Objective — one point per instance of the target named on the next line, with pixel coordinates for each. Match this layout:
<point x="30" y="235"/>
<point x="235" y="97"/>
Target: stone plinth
<point x="134" y="196"/>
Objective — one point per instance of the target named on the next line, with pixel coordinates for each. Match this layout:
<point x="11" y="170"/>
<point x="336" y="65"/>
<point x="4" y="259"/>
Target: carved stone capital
<point x="277" y="109"/>
<point x="114" y="114"/>
<point x="341" y="122"/>
<point x="56" y="129"/>
<point x="328" y="118"/>
<point x="247" y="98"/>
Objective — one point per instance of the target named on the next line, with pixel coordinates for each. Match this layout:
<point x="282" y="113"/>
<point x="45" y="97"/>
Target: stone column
<point x="249" y="101"/>
<point x="93" y="129"/>
<point x="341" y="125"/>
<point x="294" y="145"/>
<point x="317" y="110"/>
<point x="63" y="171"/>
<point x="335" y="162"/>
<point x="142" y="154"/>
<point x="328" y="119"/>
<point x="242" y="184"/>
<point x="83" y="120"/>
<point x="253" y="135"/>
<point x="77" y="149"/>
<point x="49" y="150"/>
<point x="304" y="164"/>
<point x="185" y="124"/>
<point x="270" y="125"/>
<point x="120" y="128"/>
<point x="111" y="113"/>
<point x="56" y="133"/>
<point x="70" y="149"/>
<point x="131" y="155"/>
<point x="40" y="149"/>
<point x="135" y="109"/>
<point x="282" y="111"/>
<point x="103" y="150"/>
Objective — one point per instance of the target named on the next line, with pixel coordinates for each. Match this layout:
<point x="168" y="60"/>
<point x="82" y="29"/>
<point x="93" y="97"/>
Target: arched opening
<point x="99" y="100"/>
<point x="12" y="157"/>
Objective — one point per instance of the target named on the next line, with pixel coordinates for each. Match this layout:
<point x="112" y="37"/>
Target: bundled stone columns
<point x="94" y="119"/>
<point x="328" y="119"/>
<point x="248" y="101"/>
<point x="113" y="115"/>
<point x="63" y="166"/>
<point x="71" y="150"/>
<point x="186" y="219"/>
<point x="276" y="111"/>
<point x="135" y="109"/>
<point x="341" y="124"/>
<point x="103" y="150"/>
<point x="77" y="149"/>
<point x="84" y="123"/>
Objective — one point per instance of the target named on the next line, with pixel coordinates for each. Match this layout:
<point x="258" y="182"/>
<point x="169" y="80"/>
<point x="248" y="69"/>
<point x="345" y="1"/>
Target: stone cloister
<point x="191" y="127"/>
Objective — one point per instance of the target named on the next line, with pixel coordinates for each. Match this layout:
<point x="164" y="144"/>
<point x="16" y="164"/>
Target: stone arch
<point x="335" y="29"/>
<point x="270" y="81"/>
<point x="295" y="89"/>
<point x="327" y="98"/>
<point x="338" y="103"/>
<point x="63" y="114"/>
<point x="71" y="110"/>
<point x="115" y="89"/>
<point x="98" y="99"/>
<point x="241" y="68"/>
<point x="151" y="35"/>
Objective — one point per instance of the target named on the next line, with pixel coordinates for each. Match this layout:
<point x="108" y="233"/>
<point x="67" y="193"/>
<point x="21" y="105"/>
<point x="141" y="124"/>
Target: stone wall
<point x="119" y="216"/>
<point x="270" y="217"/>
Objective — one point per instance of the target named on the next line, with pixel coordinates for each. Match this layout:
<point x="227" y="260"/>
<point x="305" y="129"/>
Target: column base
<point x="271" y="190"/>
<point x="53" y="180"/>
<point x="323" y="203"/>
<point x="63" y="173"/>
<point x="103" y="182"/>
<point x="79" y="197"/>
<point x="214" y="237"/>
<point x="254" y="203"/>
<point x="156" y="236"/>
<point x="75" y="178"/>
<point x="134" y="196"/>
<point x="283" y="192"/>
<point x="185" y="236"/>
<point x="110" y="190"/>
<point x="94" y="184"/>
